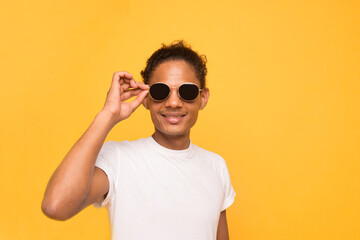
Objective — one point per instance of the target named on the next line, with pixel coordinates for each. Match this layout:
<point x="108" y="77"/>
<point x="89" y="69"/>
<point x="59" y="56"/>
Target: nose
<point x="173" y="101"/>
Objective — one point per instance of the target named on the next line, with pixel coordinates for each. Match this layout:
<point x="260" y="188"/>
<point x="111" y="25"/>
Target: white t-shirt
<point x="157" y="193"/>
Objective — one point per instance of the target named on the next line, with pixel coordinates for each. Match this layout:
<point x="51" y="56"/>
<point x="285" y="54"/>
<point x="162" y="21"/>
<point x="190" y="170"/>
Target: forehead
<point x="174" y="73"/>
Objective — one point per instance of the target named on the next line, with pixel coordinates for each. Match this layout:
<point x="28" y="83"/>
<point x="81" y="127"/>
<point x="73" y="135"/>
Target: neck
<point x="179" y="142"/>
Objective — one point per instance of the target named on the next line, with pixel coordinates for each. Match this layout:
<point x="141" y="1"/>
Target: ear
<point x="145" y="103"/>
<point x="204" y="97"/>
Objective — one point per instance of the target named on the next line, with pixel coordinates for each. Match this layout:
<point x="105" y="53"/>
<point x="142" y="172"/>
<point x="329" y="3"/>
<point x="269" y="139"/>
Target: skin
<point x="77" y="183"/>
<point x="168" y="134"/>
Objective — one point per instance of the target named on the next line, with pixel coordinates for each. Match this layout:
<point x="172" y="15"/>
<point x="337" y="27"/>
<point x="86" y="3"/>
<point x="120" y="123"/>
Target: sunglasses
<point x="187" y="91"/>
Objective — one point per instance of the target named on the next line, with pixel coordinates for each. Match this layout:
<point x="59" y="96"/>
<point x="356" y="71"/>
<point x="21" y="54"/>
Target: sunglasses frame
<point x="199" y="91"/>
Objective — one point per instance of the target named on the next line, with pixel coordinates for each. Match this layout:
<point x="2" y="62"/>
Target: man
<point x="159" y="187"/>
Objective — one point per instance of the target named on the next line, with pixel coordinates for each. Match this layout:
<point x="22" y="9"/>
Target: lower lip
<point x="173" y="120"/>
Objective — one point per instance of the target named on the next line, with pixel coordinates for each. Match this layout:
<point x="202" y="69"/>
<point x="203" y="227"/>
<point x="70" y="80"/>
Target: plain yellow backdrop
<point x="284" y="112"/>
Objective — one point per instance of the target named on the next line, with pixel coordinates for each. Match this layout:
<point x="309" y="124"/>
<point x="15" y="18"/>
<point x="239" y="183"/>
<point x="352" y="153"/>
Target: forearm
<point x="69" y="185"/>
<point x="223" y="232"/>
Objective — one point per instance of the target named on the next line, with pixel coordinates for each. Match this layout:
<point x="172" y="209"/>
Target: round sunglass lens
<point x="188" y="92"/>
<point x="159" y="91"/>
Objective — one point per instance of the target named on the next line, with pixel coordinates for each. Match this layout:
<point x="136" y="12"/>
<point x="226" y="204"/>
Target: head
<point x="178" y="50"/>
<point x="175" y="65"/>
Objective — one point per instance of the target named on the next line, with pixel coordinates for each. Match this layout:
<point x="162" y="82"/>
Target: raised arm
<point x="77" y="183"/>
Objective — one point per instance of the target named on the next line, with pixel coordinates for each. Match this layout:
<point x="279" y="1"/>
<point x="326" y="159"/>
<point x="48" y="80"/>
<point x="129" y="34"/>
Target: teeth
<point x="167" y="116"/>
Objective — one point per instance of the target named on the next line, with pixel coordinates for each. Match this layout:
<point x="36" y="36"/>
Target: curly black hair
<point x="178" y="50"/>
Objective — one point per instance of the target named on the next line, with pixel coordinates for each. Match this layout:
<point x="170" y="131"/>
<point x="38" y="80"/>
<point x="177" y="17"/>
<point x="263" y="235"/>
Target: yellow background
<point x="284" y="107"/>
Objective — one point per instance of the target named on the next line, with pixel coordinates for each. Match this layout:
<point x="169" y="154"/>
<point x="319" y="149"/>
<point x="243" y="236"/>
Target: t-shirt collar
<point x="172" y="152"/>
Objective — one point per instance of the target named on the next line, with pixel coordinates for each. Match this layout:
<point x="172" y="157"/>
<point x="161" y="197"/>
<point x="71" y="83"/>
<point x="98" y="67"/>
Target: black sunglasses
<point x="187" y="91"/>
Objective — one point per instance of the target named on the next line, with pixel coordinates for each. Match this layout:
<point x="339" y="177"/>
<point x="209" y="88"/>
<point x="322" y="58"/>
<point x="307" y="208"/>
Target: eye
<point x="188" y="92"/>
<point x="159" y="91"/>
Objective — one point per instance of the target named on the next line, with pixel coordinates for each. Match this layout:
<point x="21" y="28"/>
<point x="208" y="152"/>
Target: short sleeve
<point x="107" y="160"/>
<point x="228" y="188"/>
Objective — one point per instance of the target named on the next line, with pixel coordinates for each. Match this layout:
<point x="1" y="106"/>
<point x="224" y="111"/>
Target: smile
<point x="173" y="117"/>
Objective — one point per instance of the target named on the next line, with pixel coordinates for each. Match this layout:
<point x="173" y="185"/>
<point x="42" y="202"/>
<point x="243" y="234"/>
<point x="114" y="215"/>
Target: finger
<point x="129" y="94"/>
<point x="142" y="85"/>
<point x="125" y="86"/>
<point x="139" y="99"/>
<point x="118" y="76"/>
<point x="136" y="84"/>
<point x="122" y="74"/>
<point x="133" y="83"/>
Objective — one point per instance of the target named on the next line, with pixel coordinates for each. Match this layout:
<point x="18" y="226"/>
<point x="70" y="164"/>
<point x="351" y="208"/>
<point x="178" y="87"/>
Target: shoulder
<point x="124" y="145"/>
<point x="114" y="152"/>
<point x="205" y="152"/>
<point x="209" y="155"/>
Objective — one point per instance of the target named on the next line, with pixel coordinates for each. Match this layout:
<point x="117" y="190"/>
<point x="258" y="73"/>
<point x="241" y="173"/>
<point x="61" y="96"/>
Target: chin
<point x="173" y="132"/>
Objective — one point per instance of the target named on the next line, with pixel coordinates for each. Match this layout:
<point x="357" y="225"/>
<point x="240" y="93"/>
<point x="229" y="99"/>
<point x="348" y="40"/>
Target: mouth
<point x="173" y="118"/>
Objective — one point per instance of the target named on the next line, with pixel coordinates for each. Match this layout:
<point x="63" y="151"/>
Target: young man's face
<point x="173" y="116"/>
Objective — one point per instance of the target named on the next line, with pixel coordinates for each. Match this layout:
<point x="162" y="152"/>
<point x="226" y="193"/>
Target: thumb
<point x="139" y="99"/>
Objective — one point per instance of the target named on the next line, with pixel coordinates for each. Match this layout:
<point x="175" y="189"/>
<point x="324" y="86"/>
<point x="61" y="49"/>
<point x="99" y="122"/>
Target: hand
<point x="120" y="91"/>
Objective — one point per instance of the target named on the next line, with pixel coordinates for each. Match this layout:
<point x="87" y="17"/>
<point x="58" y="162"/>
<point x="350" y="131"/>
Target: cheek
<point x="193" y="114"/>
<point x="153" y="112"/>
<point x="194" y="117"/>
